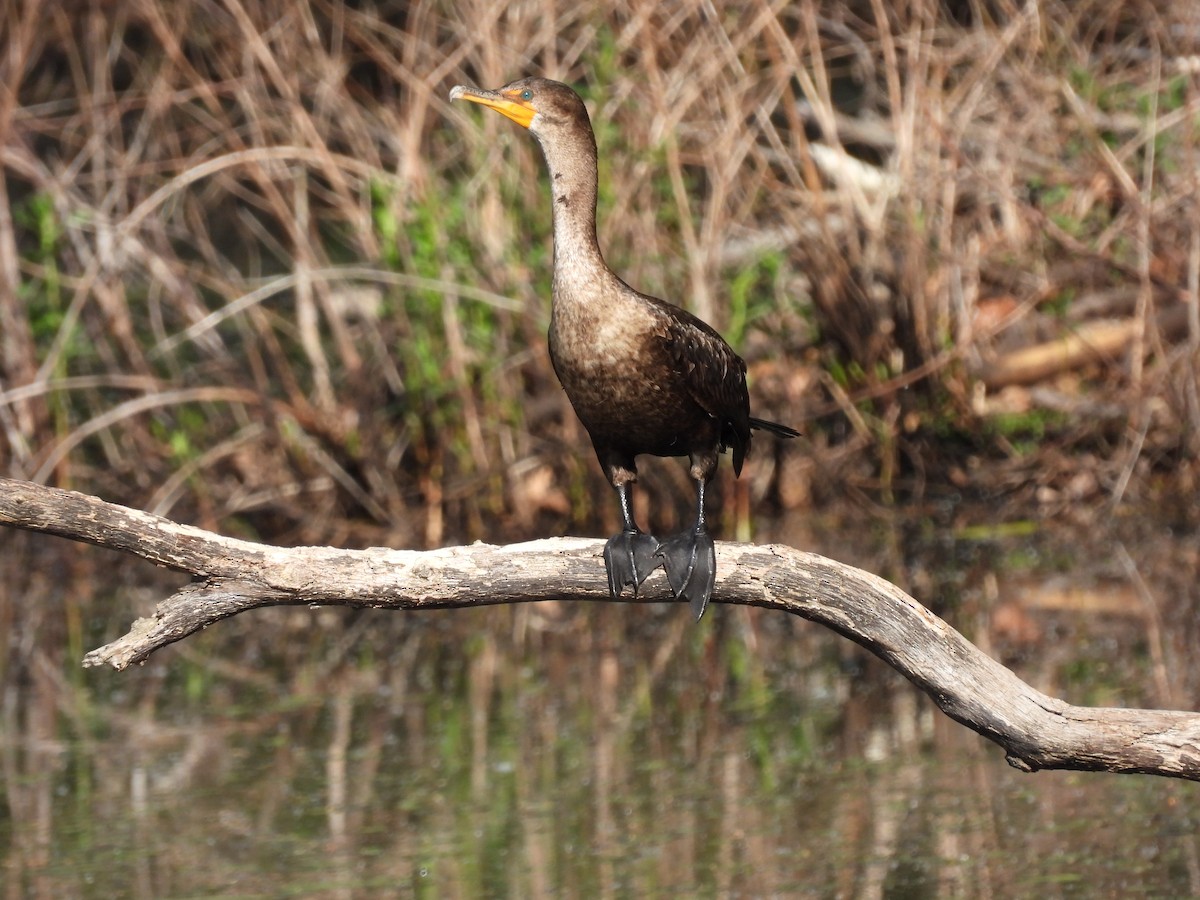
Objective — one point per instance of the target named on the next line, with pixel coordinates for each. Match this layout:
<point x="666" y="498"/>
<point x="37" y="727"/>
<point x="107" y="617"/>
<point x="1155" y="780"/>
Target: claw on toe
<point x="690" y="560"/>
<point x="629" y="557"/>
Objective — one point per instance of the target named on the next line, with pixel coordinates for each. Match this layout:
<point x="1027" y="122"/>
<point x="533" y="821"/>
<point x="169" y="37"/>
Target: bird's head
<point x="539" y="104"/>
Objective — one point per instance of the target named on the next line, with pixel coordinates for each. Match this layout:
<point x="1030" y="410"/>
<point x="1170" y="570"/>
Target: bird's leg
<point x="690" y="560"/>
<point x="631" y="554"/>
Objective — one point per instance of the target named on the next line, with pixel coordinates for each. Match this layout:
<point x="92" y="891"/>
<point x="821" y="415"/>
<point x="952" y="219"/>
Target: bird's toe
<point x="690" y="561"/>
<point x="629" y="557"/>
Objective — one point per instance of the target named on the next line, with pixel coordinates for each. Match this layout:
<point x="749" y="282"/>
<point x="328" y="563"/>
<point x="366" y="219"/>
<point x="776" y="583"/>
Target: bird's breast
<point x="622" y="387"/>
<point x="599" y="331"/>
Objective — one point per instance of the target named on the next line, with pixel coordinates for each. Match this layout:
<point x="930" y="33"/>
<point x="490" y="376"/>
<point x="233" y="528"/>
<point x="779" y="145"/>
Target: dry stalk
<point x="197" y="192"/>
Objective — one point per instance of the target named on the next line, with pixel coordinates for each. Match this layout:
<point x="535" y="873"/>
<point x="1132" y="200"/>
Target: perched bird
<point x="644" y="376"/>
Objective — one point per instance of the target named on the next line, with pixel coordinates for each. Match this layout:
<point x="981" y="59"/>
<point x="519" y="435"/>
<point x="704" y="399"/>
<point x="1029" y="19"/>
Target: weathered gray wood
<point x="1035" y="730"/>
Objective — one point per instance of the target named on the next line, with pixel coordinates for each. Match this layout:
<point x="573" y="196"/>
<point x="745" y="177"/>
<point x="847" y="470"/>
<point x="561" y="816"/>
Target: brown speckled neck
<point x="570" y="152"/>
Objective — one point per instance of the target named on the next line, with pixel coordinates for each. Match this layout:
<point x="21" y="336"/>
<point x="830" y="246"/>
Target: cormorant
<point x="644" y="376"/>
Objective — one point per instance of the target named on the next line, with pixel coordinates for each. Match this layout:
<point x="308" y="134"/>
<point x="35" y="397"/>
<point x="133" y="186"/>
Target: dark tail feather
<point x="775" y="428"/>
<point x="741" y="445"/>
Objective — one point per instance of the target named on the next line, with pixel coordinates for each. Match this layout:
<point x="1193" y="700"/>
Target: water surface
<point x="573" y="750"/>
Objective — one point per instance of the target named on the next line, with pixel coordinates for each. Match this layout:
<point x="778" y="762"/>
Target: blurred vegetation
<point x="259" y="275"/>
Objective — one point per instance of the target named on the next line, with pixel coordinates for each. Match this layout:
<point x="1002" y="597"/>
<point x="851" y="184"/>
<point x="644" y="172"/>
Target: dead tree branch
<point x="1035" y="730"/>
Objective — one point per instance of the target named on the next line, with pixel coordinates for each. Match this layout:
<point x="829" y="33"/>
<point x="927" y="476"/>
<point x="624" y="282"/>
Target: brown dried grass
<point x="255" y="269"/>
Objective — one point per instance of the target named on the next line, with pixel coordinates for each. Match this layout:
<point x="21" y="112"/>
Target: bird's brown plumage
<point x="644" y="376"/>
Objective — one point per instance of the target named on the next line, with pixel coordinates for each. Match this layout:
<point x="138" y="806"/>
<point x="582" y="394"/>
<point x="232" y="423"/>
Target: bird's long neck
<point x="571" y="160"/>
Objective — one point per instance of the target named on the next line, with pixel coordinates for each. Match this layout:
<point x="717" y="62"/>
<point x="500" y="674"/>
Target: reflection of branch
<point x="1036" y="731"/>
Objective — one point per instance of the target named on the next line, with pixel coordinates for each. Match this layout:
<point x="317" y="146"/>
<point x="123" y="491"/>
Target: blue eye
<point x="527" y="94"/>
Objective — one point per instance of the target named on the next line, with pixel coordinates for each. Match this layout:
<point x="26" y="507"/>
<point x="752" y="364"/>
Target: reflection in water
<point x="552" y="750"/>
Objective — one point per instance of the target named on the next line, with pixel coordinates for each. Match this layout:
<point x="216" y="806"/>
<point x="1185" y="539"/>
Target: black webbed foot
<point x="690" y="560"/>
<point x="629" y="556"/>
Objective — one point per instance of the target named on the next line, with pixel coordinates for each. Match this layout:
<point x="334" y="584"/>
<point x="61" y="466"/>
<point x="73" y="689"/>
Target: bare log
<point x="1036" y="731"/>
<point x="1098" y="341"/>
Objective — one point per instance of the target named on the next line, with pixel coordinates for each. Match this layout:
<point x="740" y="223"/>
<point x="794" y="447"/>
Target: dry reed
<point x="255" y="267"/>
